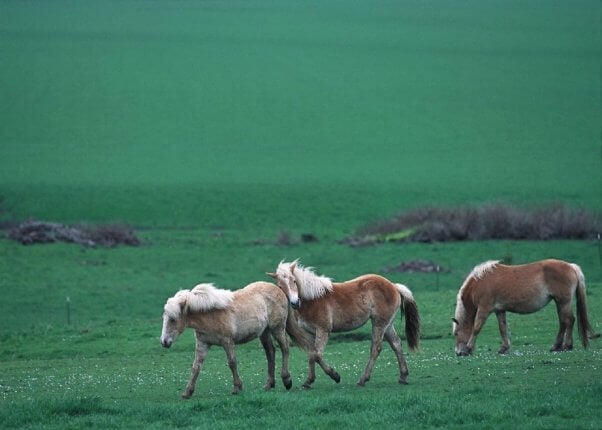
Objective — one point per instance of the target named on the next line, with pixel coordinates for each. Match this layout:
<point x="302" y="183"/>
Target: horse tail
<point x="585" y="329"/>
<point x="300" y="337"/>
<point x="410" y="310"/>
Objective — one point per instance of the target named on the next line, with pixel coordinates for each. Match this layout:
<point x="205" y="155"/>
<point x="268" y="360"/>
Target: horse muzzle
<point x="166" y="343"/>
<point x="296" y="305"/>
<point x="463" y="351"/>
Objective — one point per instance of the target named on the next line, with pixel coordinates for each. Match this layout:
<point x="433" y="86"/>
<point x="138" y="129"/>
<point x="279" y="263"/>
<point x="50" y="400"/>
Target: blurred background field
<point x="181" y="113"/>
<point x="223" y="131"/>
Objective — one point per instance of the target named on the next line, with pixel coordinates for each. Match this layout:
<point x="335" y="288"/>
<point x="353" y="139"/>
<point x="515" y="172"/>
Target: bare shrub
<point x="111" y="235"/>
<point x="491" y="222"/>
<point x="32" y="232"/>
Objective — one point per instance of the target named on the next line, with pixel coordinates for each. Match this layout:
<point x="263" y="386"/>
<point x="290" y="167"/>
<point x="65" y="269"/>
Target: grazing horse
<point x="494" y="287"/>
<point x="225" y="318"/>
<point x="322" y="307"/>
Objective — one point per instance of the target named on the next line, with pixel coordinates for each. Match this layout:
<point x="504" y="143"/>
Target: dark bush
<point x="32" y="232"/>
<point x="489" y="222"/>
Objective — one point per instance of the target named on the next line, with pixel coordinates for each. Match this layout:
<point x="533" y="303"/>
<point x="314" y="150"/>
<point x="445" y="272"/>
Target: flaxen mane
<point x="202" y="298"/>
<point x="482" y="269"/>
<point x="477" y="273"/>
<point x="310" y="285"/>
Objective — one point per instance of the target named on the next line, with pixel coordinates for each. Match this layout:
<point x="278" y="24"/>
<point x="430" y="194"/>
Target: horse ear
<point x="456" y="321"/>
<point x="272" y="275"/>
<point x="293" y="266"/>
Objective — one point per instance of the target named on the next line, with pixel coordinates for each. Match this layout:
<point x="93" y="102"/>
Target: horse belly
<point x="348" y="322"/>
<point x="249" y="328"/>
<point x="525" y="303"/>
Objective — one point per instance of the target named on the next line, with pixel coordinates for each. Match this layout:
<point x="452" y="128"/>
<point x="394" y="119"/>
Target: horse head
<point x="285" y="279"/>
<point x="173" y="320"/>
<point x="462" y="331"/>
<point x="202" y="298"/>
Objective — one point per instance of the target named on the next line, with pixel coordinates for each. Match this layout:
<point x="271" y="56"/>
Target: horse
<point x="226" y="318"/>
<point x="321" y="307"/>
<point x="523" y="289"/>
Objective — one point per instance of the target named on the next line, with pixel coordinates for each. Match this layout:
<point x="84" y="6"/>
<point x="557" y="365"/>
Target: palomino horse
<point x="494" y="287"/>
<point x="323" y="307"/>
<point x="226" y="318"/>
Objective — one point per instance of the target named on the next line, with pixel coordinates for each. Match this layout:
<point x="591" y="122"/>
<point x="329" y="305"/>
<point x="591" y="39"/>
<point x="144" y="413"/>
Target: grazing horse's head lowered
<point x="461" y="331"/>
<point x="493" y="287"/>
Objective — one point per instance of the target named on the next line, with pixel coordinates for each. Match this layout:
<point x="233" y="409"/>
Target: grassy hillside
<point x="163" y="112"/>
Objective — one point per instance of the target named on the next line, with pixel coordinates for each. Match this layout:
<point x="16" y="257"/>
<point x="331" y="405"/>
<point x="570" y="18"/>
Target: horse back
<point x="254" y="308"/>
<point x="261" y="300"/>
<point x="523" y="288"/>
<point x="353" y="302"/>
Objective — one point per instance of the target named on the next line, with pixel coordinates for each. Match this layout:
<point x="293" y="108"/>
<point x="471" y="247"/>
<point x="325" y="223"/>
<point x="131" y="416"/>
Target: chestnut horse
<point x="225" y="318"/>
<point x="494" y="287"/>
<point x="322" y="307"/>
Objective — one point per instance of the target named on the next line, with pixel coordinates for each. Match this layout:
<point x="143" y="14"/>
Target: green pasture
<point x="106" y="368"/>
<point x="185" y="113"/>
<point x="213" y="127"/>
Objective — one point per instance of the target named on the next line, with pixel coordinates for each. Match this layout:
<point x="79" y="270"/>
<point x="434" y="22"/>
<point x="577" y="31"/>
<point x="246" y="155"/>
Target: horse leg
<point x="395" y="342"/>
<point x="479" y="321"/>
<point x="501" y="319"/>
<point x="200" y="354"/>
<point x="231" y="355"/>
<point x="280" y="335"/>
<point x="566" y="320"/>
<point x="270" y="353"/>
<point x="375" y="348"/>
<point x="316" y="356"/>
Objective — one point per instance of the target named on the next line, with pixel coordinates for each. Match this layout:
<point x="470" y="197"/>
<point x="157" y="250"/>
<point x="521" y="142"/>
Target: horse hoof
<point x="503" y="351"/>
<point x="336" y="377"/>
<point x="403" y="381"/>
<point x="306" y="386"/>
<point x="361" y="384"/>
<point x="186" y="396"/>
<point x="288" y="383"/>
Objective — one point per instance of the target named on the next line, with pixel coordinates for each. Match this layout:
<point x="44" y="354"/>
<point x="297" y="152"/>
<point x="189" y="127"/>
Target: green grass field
<point x="212" y="127"/>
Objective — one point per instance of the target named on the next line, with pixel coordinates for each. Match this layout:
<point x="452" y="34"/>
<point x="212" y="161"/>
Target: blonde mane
<point x="311" y="286"/>
<point x="482" y="269"/>
<point x="202" y="298"/>
<point x="477" y="273"/>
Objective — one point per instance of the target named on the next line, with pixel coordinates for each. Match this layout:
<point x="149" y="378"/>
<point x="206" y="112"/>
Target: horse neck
<point x="199" y="319"/>
<point x="312" y="286"/>
<point x="470" y="310"/>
